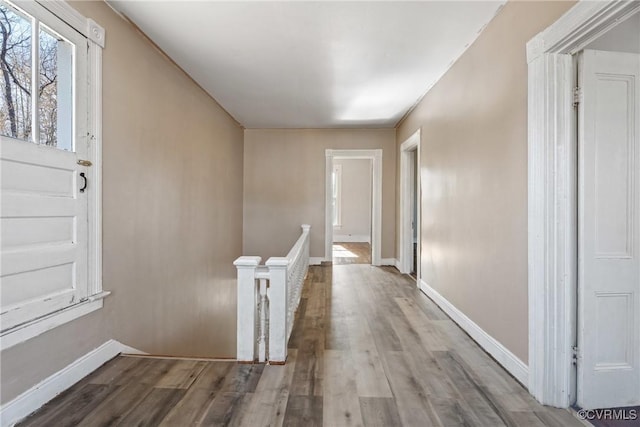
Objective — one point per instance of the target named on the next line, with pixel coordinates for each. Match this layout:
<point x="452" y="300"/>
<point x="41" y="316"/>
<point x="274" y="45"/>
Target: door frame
<point x="407" y="169"/>
<point x="552" y="194"/>
<point x="376" y="199"/>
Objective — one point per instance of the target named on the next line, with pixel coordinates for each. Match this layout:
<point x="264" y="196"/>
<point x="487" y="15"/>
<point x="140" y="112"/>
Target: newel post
<point x="278" y="309"/>
<point x="246" y="327"/>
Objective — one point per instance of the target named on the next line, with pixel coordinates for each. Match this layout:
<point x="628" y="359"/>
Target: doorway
<point x="375" y="159"/>
<point x="559" y="225"/>
<point x="352" y="183"/>
<point x="410" y="206"/>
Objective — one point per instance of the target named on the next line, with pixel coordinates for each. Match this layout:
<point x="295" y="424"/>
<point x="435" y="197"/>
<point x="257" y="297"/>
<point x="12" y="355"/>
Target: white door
<point x="609" y="230"/>
<point x="43" y="206"/>
<point x="44" y="231"/>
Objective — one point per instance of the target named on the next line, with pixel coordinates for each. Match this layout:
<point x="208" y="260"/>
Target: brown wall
<point x="172" y="217"/>
<point x="284" y="186"/>
<point x="473" y="171"/>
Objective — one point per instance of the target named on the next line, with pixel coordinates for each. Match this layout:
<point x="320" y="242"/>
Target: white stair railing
<point x="268" y="297"/>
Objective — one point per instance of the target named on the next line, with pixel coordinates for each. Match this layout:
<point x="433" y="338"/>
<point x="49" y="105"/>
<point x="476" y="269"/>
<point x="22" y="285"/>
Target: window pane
<point x="55" y="92"/>
<point x="47" y="89"/>
<point x="55" y="104"/>
<point x="15" y="63"/>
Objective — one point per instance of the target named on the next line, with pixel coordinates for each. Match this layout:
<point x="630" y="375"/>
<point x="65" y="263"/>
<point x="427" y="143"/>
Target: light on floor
<point x="340" y="251"/>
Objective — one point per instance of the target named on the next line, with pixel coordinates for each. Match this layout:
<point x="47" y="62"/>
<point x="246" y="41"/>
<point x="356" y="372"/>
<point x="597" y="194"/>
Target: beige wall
<point x="172" y="217"/>
<point x="355" y="198"/>
<point x="284" y="186"/>
<point x="474" y="175"/>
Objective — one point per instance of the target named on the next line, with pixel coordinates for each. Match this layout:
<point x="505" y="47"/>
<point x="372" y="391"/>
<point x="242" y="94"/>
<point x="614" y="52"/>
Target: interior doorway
<point x="374" y="157"/>
<point x="410" y="206"/>
<point x="583" y="189"/>
<point x="352" y="181"/>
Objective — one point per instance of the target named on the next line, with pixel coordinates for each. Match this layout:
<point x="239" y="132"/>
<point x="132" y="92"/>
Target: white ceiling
<point x="322" y="64"/>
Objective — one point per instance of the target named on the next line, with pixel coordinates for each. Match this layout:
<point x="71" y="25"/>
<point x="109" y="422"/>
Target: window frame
<point x="52" y="15"/>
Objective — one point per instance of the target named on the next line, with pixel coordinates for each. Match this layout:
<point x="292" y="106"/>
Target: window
<point x="35" y="60"/>
<point x="49" y="154"/>
<point x="336" y="179"/>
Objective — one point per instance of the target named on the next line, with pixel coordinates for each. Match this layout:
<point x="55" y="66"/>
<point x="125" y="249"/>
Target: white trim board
<point x="43" y="324"/>
<point x="346" y="238"/>
<point x="499" y="352"/>
<point x="389" y="261"/>
<point x="316" y="260"/>
<point x="552" y="190"/>
<point x="34" y="398"/>
<point x="409" y="148"/>
<point x="85" y="26"/>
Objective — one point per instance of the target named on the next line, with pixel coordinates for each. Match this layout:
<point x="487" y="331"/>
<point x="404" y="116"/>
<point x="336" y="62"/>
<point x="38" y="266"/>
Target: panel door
<point x="609" y="230"/>
<point x="43" y="218"/>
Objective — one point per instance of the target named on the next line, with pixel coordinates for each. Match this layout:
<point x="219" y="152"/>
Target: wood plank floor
<point x="351" y="253"/>
<point x="367" y="349"/>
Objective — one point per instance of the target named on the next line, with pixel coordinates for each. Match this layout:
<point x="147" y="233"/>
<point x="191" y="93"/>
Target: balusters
<point x="263" y="310"/>
<point x="268" y="297"/>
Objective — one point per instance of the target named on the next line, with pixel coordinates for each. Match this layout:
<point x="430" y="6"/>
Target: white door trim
<point x="552" y="189"/>
<point x="376" y="199"/>
<point x="411" y="144"/>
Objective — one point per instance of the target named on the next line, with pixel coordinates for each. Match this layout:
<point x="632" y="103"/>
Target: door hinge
<point x="577" y="96"/>
<point x="574" y="355"/>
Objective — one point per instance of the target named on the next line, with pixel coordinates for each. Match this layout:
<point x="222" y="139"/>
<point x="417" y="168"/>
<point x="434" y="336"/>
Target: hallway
<point x="368" y="348"/>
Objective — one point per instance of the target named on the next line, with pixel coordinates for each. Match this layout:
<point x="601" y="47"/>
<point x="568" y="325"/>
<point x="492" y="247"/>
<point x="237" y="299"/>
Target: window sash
<point x="43" y="19"/>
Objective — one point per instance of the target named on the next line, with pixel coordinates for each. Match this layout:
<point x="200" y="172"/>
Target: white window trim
<point x="95" y="35"/>
<point x="337" y="220"/>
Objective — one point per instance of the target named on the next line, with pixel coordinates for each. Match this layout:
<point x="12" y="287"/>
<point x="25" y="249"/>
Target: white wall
<point x="624" y="37"/>
<point x="355" y="201"/>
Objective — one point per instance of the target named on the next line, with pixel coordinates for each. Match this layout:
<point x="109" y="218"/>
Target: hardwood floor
<point x="367" y="349"/>
<point x="351" y="253"/>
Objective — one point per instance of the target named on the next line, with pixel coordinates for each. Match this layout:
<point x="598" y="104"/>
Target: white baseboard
<point x="38" y="395"/>
<point x="363" y="238"/>
<point x="389" y="261"/>
<point x="508" y="360"/>
<point x="316" y="260"/>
